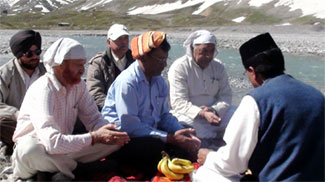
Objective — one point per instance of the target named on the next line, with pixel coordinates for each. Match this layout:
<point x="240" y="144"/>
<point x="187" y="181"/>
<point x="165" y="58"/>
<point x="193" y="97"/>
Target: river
<point x="309" y="69"/>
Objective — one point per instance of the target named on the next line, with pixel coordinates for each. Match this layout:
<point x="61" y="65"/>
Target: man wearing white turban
<point x="200" y="94"/>
<point x="43" y="136"/>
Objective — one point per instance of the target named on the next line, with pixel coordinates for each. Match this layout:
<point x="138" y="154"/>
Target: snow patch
<point x="12" y="2"/>
<point x="90" y="5"/>
<point x="44" y="10"/>
<point x="162" y="8"/>
<point x="258" y="3"/>
<point x="205" y="5"/>
<point x="239" y="19"/>
<point x="284" y="24"/>
<point x="310" y="7"/>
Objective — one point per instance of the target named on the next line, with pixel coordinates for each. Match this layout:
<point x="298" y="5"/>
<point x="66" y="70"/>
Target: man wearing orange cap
<point x="137" y="103"/>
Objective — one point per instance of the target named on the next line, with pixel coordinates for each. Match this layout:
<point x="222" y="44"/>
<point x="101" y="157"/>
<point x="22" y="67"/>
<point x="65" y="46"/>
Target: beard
<point x="70" y="78"/>
<point x="30" y="65"/>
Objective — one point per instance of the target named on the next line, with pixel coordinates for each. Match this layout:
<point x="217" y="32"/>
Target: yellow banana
<point x="179" y="161"/>
<point x="167" y="172"/>
<point x="181" y="169"/>
<point x="160" y="162"/>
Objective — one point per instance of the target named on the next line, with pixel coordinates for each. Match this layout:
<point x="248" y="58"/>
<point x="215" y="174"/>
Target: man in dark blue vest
<point x="278" y="129"/>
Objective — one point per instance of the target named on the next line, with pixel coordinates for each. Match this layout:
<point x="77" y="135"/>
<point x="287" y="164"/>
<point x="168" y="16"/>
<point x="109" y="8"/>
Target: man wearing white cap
<point x="200" y="94"/>
<point x="43" y="136"/>
<point x="106" y="66"/>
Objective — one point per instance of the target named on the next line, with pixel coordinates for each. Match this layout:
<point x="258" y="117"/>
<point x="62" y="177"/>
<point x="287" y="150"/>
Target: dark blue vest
<point x="290" y="143"/>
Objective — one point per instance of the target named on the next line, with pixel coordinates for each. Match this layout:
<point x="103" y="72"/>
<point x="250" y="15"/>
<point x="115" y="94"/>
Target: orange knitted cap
<point x="143" y="44"/>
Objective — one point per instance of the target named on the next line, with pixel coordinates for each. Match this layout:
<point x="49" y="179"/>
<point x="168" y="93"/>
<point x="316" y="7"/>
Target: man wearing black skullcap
<point x="278" y="129"/>
<point x="15" y="78"/>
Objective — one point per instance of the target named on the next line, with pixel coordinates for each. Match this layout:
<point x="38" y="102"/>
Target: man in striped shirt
<point x="43" y="137"/>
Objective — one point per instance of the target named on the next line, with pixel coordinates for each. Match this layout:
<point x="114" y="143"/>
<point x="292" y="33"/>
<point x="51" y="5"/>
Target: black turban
<point x="21" y="42"/>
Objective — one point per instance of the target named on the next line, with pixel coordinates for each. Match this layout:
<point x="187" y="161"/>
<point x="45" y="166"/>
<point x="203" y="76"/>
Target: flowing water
<point x="309" y="69"/>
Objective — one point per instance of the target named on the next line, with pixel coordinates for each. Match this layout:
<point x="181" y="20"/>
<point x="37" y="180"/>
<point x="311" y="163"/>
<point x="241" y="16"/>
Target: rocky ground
<point x="298" y="39"/>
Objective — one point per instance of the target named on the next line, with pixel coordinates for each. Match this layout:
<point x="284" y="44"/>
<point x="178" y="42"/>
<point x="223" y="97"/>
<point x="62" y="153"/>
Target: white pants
<point x="30" y="156"/>
<point x="204" y="174"/>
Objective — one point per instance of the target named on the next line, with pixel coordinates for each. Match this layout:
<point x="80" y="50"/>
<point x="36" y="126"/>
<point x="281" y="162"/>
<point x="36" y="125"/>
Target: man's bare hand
<point x="185" y="138"/>
<point x="202" y="155"/>
<point x="212" y="118"/>
<point x="108" y="135"/>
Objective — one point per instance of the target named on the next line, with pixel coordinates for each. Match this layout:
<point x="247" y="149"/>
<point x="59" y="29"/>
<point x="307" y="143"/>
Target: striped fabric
<point x="143" y="44"/>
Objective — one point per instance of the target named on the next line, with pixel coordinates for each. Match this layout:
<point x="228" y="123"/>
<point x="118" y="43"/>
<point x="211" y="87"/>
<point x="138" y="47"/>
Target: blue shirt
<point x="138" y="107"/>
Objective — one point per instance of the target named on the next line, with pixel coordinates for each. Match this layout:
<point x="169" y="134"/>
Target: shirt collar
<point x="56" y="83"/>
<point x="140" y="74"/>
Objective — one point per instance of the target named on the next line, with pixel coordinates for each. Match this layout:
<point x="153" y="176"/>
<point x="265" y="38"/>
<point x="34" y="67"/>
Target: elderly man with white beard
<point x="43" y="136"/>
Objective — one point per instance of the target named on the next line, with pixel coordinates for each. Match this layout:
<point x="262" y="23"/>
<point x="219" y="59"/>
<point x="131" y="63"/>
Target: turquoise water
<point x="309" y="69"/>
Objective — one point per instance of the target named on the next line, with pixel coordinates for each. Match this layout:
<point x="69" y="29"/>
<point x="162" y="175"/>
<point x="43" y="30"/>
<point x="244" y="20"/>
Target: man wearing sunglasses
<point x="15" y="78"/>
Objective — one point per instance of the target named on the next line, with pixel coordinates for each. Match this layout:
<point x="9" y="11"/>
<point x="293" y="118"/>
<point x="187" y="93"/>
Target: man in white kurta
<point x="200" y="94"/>
<point x="43" y="136"/>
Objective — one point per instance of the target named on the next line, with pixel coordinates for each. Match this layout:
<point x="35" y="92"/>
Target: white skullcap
<point x="200" y="37"/>
<point x="62" y="49"/>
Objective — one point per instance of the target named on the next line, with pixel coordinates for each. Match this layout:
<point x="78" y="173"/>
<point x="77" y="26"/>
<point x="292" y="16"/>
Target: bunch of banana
<point x="174" y="169"/>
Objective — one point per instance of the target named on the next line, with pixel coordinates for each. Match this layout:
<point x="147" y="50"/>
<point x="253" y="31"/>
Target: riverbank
<point x="293" y="39"/>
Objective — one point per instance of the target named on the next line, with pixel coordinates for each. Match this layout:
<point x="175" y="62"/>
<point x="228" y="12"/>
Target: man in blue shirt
<point x="137" y="103"/>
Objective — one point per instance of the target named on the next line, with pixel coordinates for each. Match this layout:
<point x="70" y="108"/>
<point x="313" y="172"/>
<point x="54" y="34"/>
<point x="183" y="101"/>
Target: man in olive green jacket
<point x="15" y="78"/>
<point x="106" y="66"/>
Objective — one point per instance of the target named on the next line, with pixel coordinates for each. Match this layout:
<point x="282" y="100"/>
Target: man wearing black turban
<point x="15" y="78"/>
<point x="277" y="130"/>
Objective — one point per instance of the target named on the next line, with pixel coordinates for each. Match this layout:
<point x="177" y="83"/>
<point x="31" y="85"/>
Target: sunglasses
<point x="30" y="54"/>
<point x="161" y="60"/>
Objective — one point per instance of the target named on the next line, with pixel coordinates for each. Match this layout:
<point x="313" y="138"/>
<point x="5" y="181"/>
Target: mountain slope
<point x="166" y="12"/>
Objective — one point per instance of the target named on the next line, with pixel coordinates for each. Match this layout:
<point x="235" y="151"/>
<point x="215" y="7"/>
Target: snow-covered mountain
<point x="284" y="9"/>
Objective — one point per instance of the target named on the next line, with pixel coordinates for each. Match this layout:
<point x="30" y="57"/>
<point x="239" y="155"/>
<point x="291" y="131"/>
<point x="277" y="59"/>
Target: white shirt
<point x="120" y="63"/>
<point x="192" y="87"/>
<point x="49" y="112"/>
<point x="29" y="80"/>
<point x="241" y="137"/>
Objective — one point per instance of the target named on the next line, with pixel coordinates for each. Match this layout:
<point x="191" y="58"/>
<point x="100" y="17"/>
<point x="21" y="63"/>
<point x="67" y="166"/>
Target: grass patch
<point x="308" y="20"/>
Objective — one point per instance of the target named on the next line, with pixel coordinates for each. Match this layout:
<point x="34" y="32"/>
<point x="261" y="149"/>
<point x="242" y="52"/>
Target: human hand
<point x="202" y="155"/>
<point x="212" y="118"/>
<point x="108" y="135"/>
<point x="185" y="138"/>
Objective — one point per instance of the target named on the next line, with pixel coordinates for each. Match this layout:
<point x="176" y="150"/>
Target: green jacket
<point x="101" y="74"/>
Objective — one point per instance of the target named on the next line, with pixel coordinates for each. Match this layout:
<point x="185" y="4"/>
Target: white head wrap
<point x="200" y="37"/>
<point x="64" y="48"/>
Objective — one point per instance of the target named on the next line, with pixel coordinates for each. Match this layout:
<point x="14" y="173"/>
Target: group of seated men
<point x="124" y="108"/>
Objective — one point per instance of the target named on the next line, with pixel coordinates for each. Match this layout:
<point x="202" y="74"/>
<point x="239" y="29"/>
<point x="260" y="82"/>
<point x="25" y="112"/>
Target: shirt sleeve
<point x="224" y="95"/>
<point x="168" y="122"/>
<point x="88" y="112"/>
<point x="241" y="137"/>
<point x="6" y="111"/>
<point x="179" y="92"/>
<point x="128" y="113"/>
